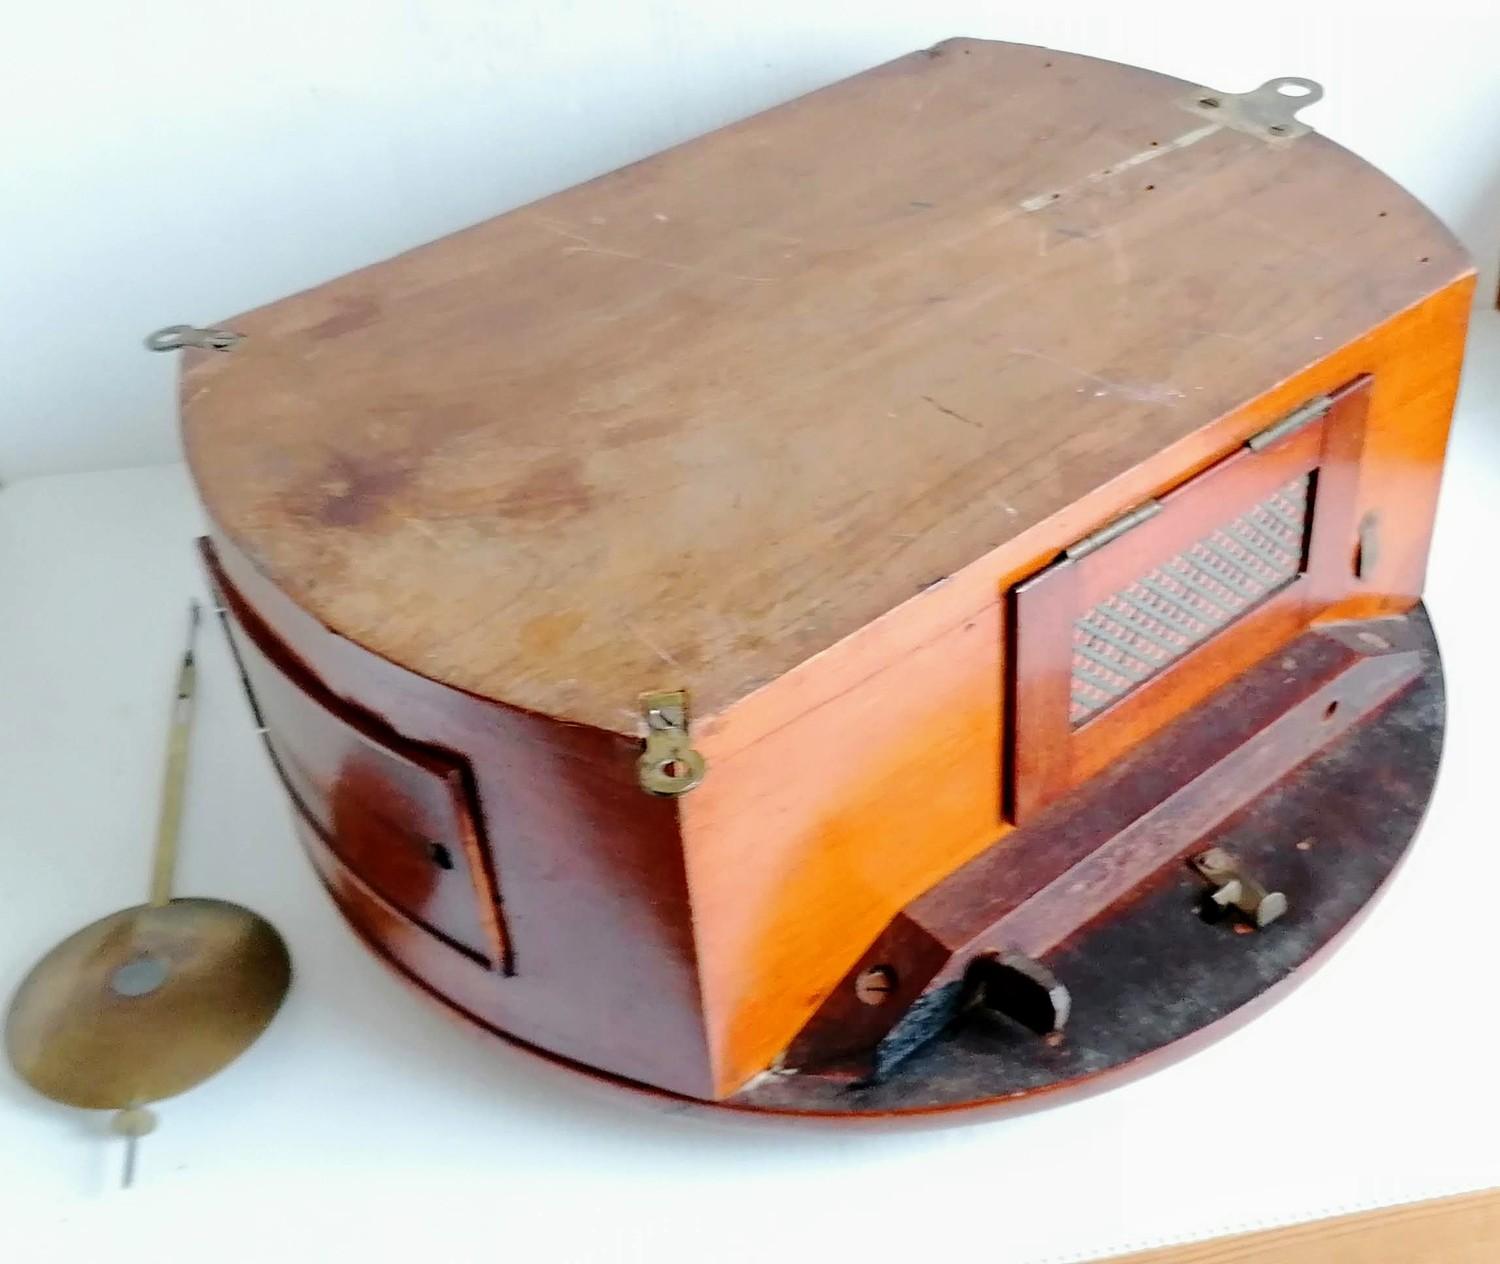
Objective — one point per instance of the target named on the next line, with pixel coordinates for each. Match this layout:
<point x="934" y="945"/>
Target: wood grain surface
<point x="696" y="421"/>
<point x="1460" y="1230"/>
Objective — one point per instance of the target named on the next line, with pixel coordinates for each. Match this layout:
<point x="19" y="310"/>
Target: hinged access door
<point x="398" y="814"/>
<point x="1144" y="618"/>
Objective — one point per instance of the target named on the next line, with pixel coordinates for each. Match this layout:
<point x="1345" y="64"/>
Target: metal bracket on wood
<point x="669" y="764"/>
<point x="176" y="337"/>
<point x="1269" y="112"/>
<point x="1112" y="530"/>
<point x="1290" y="424"/>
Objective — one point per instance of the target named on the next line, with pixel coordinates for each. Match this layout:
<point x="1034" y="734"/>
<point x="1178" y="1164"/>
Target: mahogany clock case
<point x="1010" y="473"/>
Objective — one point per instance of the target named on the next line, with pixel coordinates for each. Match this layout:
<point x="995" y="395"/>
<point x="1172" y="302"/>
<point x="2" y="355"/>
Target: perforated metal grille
<point x="1136" y="633"/>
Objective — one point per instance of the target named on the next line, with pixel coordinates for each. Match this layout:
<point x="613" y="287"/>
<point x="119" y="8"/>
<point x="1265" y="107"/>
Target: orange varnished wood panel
<point x="800" y="847"/>
<point x="1401" y="462"/>
<point x="778" y="418"/>
<point x="769" y="967"/>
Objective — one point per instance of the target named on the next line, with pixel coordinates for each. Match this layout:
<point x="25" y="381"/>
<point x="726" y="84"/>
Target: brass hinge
<point x="669" y="764"/>
<point x="1292" y="422"/>
<point x="1113" y="530"/>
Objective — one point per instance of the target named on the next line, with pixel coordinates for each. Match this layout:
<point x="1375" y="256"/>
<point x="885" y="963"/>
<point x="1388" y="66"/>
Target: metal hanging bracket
<point x="669" y="765"/>
<point x="176" y="337"/>
<point x="1269" y="112"/>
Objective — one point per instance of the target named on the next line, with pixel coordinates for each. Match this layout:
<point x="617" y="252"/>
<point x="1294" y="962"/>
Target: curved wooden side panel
<point x="590" y="867"/>
<point x="399" y="814"/>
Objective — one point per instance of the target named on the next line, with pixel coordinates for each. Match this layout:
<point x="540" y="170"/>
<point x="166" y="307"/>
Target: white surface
<point x="367" y="1122"/>
<point x="172" y="160"/>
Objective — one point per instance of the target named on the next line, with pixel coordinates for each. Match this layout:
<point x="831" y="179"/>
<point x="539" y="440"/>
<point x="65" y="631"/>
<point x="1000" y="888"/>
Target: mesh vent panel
<point x="1136" y="633"/>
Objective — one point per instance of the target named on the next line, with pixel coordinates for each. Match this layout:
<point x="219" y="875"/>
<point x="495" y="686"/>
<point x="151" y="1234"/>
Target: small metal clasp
<point x="175" y="337"/>
<point x="1234" y="888"/>
<point x="669" y="764"/>
<point x="1269" y="111"/>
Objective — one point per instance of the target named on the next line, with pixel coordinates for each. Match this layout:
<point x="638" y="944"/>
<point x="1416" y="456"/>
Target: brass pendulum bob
<point x="147" y="1002"/>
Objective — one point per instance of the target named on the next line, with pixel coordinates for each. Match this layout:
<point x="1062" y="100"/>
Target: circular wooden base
<point x="1157" y="981"/>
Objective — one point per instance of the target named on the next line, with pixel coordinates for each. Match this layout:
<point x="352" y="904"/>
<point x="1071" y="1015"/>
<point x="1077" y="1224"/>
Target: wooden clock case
<point x="1009" y="473"/>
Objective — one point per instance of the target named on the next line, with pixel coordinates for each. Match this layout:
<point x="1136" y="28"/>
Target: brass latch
<point x="1235" y="889"/>
<point x="669" y="764"/>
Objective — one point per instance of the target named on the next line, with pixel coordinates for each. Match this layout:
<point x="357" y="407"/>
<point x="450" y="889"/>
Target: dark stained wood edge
<point x="1174" y="826"/>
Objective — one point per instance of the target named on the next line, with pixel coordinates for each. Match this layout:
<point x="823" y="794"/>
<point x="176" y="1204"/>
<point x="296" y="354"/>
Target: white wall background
<point x="163" y="161"/>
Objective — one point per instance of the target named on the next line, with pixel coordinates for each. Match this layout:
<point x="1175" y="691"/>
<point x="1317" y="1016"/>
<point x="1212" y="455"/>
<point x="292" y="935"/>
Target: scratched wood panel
<point x="1461" y="1230"/>
<point x="698" y="420"/>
